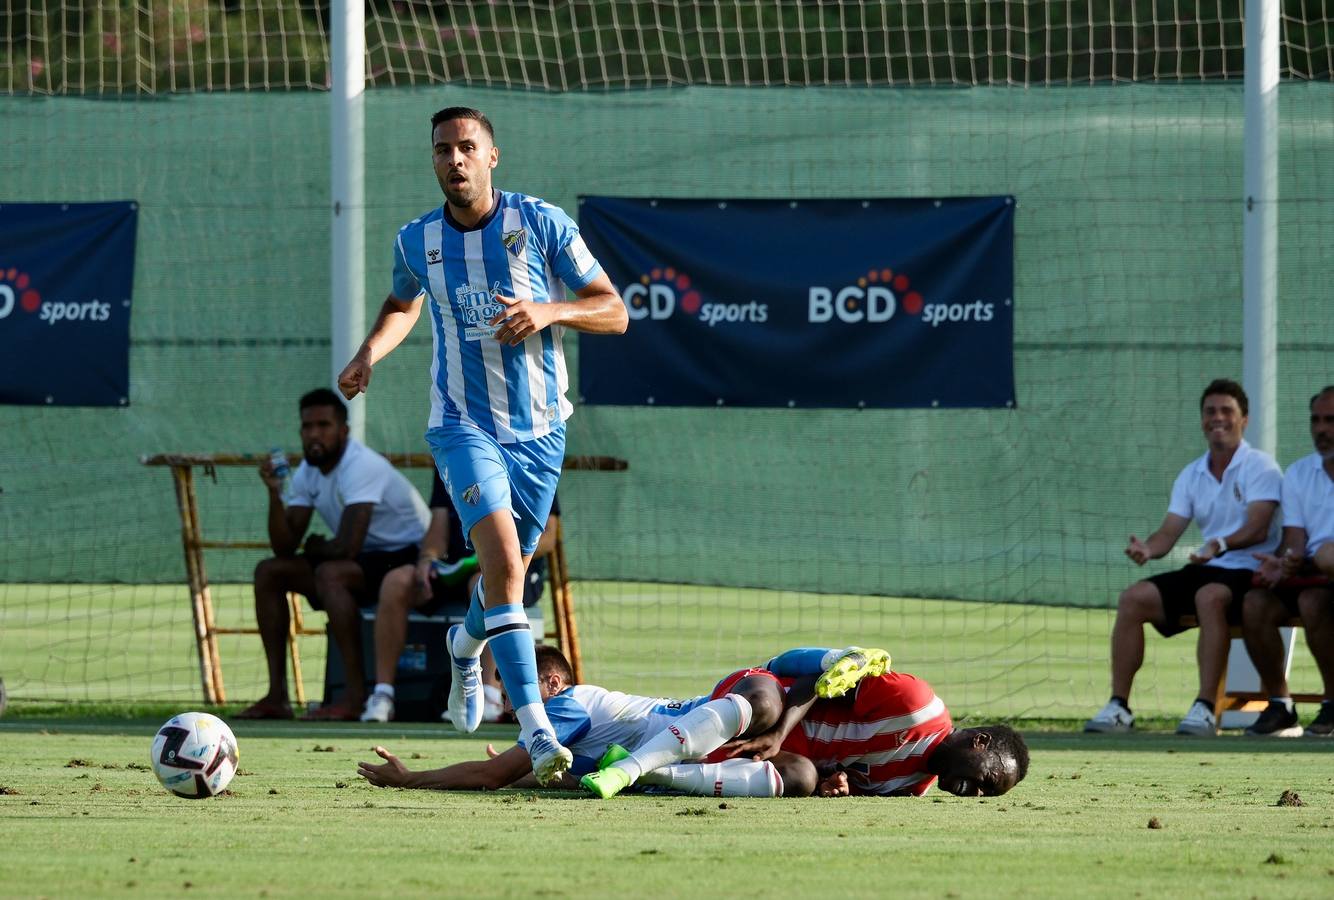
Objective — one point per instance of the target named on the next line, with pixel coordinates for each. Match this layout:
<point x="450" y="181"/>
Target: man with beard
<point x="488" y="266"/>
<point x="1296" y="582"/>
<point x="378" y="519"/>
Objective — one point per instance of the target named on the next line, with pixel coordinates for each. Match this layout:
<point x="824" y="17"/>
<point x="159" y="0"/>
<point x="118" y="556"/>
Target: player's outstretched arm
<point x="1160" y="542"/>
<point x="393" y="323"/>
<point x="474" y="775"/>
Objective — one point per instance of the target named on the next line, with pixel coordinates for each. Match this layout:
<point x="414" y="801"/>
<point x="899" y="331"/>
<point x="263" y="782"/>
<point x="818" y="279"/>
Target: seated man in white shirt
<point x="378" y="520"/>
<point x="1297" y="582"/>
<point x="1231" y="492"/>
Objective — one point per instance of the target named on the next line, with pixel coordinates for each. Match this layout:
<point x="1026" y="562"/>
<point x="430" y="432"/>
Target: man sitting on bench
<point x="377" y="518"/>
<point x="1231" y="492"/>
<point x="1297" y="583"/>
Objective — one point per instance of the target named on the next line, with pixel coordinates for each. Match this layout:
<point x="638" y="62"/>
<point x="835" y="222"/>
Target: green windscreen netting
<point x="734" y="532"/>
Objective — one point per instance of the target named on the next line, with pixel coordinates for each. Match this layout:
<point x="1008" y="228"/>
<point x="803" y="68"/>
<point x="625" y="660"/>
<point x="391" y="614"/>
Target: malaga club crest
<point x="515" y="242"/>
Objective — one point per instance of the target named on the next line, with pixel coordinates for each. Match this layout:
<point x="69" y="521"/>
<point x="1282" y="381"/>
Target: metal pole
<point x="1259" y="280"/>
<point x="347" y="61"/>
<point x="1260" y="217"/>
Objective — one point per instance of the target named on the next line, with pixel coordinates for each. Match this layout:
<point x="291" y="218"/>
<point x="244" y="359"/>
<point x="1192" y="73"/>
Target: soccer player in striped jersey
<point x="588" y="718"/>
<point x="890" y="735"/>
<point x="488" y="265"/>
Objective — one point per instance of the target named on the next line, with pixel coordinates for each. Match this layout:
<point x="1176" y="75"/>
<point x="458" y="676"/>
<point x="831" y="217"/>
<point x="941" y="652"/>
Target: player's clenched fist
<point x="1138" y="551"/>
<point x="355" y="377"/>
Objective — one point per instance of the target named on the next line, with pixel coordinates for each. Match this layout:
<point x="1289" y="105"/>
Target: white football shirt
<point x="400" y="516"/>
<point x="1308" y="500"/>
<point x="1219" y="507"/>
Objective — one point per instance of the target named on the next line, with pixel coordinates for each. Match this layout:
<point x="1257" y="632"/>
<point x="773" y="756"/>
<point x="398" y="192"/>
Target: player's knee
<point x="271" y="571"/>
<point x="1140" y="603"/>
<point x="1324" y="558"/>
<point x="397" y="589"/>
<point x="1212" y="601"/>
<point x="1260" y="609"/>
<point x="1316" y="608"/>
<point x="798" y="773"/>
<point x="336" y="577"/>
<point x="765" y="700"/>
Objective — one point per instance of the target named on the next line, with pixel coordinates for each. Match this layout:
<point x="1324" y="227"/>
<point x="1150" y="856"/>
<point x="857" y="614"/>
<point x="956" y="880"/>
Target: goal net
<point x="981" y="547"/>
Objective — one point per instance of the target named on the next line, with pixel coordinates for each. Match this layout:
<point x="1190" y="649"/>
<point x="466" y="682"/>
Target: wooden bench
<point x="194" y="544"/>
<point x="1246" y="701"/>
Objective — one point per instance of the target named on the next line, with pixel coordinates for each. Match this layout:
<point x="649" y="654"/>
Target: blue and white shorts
<point x="484" y="475"/>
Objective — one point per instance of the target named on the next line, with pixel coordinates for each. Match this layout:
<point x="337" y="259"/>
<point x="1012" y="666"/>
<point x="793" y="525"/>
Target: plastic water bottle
<point x="278" y="460"/>
<point x="455" y="572"/>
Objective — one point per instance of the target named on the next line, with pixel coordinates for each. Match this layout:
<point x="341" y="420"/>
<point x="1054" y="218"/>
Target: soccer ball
<point x="194" y="755"/>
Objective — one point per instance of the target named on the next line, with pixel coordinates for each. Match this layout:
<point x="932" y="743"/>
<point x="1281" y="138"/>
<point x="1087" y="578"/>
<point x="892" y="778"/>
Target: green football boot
<point x="615" y="753"/>
<point x="850" y="668"/>
<point x="606" y="783"/>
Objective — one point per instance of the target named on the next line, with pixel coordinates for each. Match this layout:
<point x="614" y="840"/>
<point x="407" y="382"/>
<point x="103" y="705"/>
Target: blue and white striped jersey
<point x="523" y="250"/>
<point x="586" y="718"/>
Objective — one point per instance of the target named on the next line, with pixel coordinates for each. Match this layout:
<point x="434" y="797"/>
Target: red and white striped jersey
<point x="881" y="734"/>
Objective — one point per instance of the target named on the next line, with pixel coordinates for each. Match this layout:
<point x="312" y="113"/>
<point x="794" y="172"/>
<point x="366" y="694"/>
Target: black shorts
<point x="1288" y="591"/>
<point x="1178" y="590"/>
<point x="375" y="564"/>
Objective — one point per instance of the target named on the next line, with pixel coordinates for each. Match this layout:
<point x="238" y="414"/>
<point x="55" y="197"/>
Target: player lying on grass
<point x="588" y="719"/>
<point x="880" y="733"/>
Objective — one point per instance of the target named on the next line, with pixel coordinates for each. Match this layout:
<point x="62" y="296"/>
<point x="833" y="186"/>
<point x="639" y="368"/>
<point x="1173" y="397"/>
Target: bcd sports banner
<point x="811" y="303"/>
<point x="66" y="270"/>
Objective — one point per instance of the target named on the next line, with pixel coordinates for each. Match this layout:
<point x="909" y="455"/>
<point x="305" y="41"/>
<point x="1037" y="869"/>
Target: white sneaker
<point x="1111" y="719"/>
<point x="465" y="688"/>
<point x="1198" y="721"/>
<point x="379" y="707"/>
<point x="549" y="758"/>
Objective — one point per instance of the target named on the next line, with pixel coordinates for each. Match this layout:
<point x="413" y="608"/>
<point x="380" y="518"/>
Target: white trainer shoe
<point x="465" y="688"/>
<point x="1111" y="719"/>
<point x="379" y="708"/>
<point x="1199" y="721"/>
<point x="493" y="710"/>
<point x="549" y="758"/>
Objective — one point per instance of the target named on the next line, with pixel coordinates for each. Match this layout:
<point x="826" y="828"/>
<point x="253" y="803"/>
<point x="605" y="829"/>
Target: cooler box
<point x="422" y="683"/>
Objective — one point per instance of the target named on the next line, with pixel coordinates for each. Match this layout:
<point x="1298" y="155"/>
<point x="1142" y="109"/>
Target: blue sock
<point x="799" y="662"/>
<point x="475" y="621"/>
<point x="471" y="638"/>
<point x="511" y="643"/>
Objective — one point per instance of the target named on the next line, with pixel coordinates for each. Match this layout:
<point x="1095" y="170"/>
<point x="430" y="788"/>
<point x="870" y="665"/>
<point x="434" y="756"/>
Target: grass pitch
<point x="1148" y="815"/>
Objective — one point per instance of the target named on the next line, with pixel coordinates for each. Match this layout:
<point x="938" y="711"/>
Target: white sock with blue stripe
<point x="511" y="641"/>
<point x="697" y="733"/>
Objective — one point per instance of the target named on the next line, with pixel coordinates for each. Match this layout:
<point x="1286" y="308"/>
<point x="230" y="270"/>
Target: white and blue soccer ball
<point x="194" y="755"/>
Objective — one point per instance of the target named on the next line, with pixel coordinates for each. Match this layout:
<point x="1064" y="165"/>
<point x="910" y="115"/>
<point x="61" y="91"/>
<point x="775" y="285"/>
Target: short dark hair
<point x="1230" y="388"/>
<point x="326" y="397"/>
<point x="450" y="113"/>
<point x="550" y="659"/>
<point x="1327" y="389"/>
<point x="1005" y="741"/>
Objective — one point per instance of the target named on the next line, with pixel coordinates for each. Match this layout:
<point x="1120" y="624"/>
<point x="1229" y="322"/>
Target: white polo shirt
<point x="400" y="516"/>
<point x="1308" y="501"/>
<point x="1219" y="507"/>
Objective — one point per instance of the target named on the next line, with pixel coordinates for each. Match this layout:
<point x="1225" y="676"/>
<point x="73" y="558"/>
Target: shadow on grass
<point x="1168" y="742"/>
